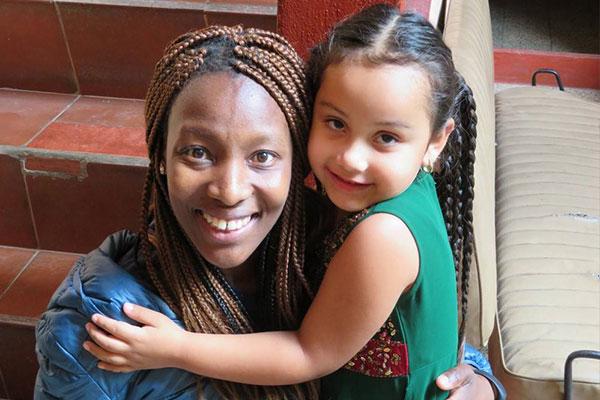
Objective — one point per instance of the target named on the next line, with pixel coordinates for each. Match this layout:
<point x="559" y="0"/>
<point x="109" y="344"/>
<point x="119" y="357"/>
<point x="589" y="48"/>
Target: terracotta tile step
<point x="105" y="47"/>
<point x="75" y="166"/>
<point x="28" y="278"/>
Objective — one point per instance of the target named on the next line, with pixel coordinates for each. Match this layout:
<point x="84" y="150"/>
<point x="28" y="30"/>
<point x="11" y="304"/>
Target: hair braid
<point x="194" y="289"/>
<point x="469" y="118"/>
<point x="455" y="183"/>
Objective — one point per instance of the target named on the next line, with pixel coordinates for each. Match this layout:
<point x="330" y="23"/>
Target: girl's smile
<point x="346" y="184"/>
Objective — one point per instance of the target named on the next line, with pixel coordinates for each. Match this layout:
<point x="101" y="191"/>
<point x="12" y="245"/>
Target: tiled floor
<point x="105" y="111"/>
<point x="24" y="114"/>
<point x="72" y="123"/>
<point x="32" y="44"/>
<point x="28" y="278"/>
<point x="29" y="293"/>
<point x="97" y="125"/>
<point x="87" y="151"/>
<point x="105" y="48"/>
<point x="12" y="261"/>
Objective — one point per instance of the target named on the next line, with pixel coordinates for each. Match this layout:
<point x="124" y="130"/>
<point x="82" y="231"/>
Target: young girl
<point x="389" y="110"/>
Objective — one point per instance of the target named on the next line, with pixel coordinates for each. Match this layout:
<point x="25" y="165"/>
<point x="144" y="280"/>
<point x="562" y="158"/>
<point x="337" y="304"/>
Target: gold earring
<point x="428" y="161"/>
<point x="427" y="167"/>
<point x="161" y="169"/>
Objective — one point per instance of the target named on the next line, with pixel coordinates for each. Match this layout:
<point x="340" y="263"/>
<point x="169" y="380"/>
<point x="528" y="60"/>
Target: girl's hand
<point x="464" y="384"/>
<point x="122" y="347"/>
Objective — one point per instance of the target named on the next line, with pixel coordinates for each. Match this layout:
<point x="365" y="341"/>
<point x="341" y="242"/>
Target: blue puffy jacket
<point x="101" y="282"/>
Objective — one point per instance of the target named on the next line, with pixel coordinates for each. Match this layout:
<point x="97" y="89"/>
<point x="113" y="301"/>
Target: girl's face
<point x="371" y="132"/>
<point x="228" y="162"/>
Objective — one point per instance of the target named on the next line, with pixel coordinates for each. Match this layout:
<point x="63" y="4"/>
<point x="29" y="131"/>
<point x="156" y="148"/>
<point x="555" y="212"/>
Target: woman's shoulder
<point x="99" y="282"/>
<point x="104" y="279"/>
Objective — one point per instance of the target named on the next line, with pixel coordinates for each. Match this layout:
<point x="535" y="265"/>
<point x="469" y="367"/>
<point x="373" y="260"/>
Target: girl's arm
<point x="375" y="264"/>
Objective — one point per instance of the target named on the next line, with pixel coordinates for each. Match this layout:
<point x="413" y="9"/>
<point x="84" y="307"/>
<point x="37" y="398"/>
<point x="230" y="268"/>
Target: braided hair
<point x="380" y="34"/>
<point x="196" y="290"/>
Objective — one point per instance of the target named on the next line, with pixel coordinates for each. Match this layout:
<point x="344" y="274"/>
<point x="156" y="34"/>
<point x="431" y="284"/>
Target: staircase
<point x="73" y="74"/>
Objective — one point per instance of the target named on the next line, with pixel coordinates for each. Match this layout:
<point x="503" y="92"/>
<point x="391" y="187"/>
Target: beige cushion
<point x="469" y="34"/>
<point x="548" y="241"/>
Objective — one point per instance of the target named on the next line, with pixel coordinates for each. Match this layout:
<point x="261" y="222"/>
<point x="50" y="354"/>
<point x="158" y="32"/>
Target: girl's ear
<point x="438" y="142"/>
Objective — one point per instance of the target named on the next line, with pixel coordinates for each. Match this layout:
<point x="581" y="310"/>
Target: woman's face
<point x="228" y="162"/>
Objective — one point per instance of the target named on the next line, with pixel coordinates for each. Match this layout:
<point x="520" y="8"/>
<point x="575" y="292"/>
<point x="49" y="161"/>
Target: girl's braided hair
<point x="194" y="289"/>
<point x="382" y="35"/>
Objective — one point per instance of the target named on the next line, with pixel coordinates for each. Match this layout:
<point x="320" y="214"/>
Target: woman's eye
<point x="197" y="153"/>
<point x="263" y="158"/>
<point x="387" y="139"/>
<point x="335" y="124"/>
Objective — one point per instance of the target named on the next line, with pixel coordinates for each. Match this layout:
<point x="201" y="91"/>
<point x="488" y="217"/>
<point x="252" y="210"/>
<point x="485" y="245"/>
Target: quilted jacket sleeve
<point x="96" y="284"/>
<point x="473" y="357"/>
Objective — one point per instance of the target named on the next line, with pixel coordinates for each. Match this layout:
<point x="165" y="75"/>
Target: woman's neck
<point x="243" y="277"/>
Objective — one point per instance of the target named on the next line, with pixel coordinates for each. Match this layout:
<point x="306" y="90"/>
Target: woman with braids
<point x="389" y="105"/>
<point x="222" y="243"/>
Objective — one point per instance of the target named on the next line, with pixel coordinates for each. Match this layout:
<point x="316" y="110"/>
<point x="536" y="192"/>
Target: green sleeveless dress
<point x="419" y="340"/>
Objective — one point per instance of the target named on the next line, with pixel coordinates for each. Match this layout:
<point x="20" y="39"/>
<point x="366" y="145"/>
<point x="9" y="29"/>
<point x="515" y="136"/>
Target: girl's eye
<point x="386" y="139"/>
<point x="335" y="124"/>
<point x="263" y="158"/>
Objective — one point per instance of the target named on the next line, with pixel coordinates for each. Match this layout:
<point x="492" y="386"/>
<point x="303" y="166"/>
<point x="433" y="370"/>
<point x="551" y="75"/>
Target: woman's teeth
<point x="224" y="225"/>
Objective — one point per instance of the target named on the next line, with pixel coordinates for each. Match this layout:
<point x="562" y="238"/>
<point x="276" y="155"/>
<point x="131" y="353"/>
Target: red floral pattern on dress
<point x="382" y="356"/>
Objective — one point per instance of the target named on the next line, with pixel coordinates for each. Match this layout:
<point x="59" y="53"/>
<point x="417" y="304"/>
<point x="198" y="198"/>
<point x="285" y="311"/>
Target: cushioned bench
<point x="548" y="240"/>
<point x="539" y="170"/>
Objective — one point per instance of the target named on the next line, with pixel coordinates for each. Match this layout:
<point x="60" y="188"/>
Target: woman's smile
<point x="226" y="224"/>
<point x="225" y="230"/>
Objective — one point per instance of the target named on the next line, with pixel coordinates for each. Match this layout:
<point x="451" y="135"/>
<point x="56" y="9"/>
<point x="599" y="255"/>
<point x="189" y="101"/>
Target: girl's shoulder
<point x="381" y="236"/>
<point x="370" y="257"/>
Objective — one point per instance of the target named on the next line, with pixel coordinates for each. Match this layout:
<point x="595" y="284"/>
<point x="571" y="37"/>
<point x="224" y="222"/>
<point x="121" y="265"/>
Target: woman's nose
<point x="353" y="159"/>
<point x="231" y="184"/>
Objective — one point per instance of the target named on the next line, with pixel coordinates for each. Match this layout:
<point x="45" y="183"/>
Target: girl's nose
<point x="354" y="158"/>
<point x="231" y="184"/>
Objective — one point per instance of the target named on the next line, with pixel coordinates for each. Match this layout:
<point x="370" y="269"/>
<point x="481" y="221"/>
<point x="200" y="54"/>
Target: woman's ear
<point x="438" y="142"/>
